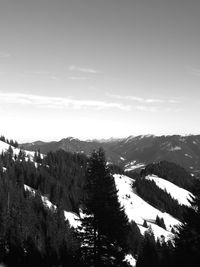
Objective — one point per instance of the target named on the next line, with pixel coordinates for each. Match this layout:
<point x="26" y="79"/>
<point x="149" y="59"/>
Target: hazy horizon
<point x="99" y="139"/>
<point x="99" y="69"/>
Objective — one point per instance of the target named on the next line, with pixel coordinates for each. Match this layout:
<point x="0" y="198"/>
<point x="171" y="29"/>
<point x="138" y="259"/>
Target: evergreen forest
<point x="32" y="234"/>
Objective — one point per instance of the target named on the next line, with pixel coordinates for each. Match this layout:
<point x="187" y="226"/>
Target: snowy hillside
<point x="28" y="154"/>
<point x="4" y="147"/>
<point x="181" y="195"/>
<point x="139" y="210"/>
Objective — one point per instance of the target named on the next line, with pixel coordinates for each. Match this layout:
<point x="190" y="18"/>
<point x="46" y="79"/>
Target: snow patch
<point x="129" y="258"/>
<point x="48" y="203"/>
<point x="133" y="166"/>
<point x="30" y="189"/>
<point x="189" y="156"/>
<point x="176" y="148"/>
<point x="72" y="218"/>
<point x="129" y="139"/>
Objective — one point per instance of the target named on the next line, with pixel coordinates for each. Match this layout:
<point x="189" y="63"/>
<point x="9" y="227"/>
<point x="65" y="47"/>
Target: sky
<point x="99" y="68"/>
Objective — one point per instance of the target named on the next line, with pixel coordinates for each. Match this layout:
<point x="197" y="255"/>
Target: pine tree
<point x="105" y="223"/>
<point x="145" y="224"/>
<point x="187" y="241"/>
<point x="160" y="222"/>
<point x="148" y="254"/>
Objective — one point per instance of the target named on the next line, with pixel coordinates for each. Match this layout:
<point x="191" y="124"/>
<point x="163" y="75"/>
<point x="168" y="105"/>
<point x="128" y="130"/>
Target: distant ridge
<point x="133" y="152"/>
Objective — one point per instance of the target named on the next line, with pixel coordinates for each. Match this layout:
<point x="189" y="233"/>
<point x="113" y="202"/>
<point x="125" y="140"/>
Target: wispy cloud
<point x="83" y="69"/>
<point x="144" y="100"/>
<point x="4" y="54"/>
<point x="155" y="109"/>
<point x="173" y="101"/>
<point x="59" y="102"/>
<point x="146" y="108"/>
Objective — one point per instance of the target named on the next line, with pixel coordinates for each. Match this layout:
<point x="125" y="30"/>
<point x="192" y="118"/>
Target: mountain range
<point x="133" y="152"/>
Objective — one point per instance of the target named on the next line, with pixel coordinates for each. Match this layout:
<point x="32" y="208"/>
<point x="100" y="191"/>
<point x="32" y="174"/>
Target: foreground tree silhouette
<point x="187" y="241"/>
<point x="148" y="254"/>
<point x="104" y="222"/>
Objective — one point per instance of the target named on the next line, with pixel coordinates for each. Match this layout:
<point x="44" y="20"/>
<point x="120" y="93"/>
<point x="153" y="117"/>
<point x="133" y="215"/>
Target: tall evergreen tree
<point x="105" y="224"/>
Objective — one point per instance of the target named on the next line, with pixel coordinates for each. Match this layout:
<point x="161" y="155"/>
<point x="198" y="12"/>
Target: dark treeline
<point x="67" y="172"/>
<point x="10" y="142"/>
<point x="171" y="172"/>
<point x="150" y="192"/>
<point x="60" y="175"/>
<point x="31" y="234"/>
<point x="155" y="253"/>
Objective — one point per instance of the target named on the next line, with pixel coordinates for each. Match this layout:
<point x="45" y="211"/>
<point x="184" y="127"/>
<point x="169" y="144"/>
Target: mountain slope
<point x="139" y="210"/>
<point x="183" y="196"/>
<point x="5" y="147"/>
<point x="55" y="168"/>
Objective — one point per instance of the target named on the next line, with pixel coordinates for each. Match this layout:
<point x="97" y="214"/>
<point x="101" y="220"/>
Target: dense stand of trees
<point x="33" y="235"/>
<point x="158" y="198"/>
<point x="171" y="172"/>
<point x="30" y="233"/>
<point x="187" y="241"/>
<point x="10" y="142"/>
<point x="155" y="253"/>
<point x="60" y="175"/>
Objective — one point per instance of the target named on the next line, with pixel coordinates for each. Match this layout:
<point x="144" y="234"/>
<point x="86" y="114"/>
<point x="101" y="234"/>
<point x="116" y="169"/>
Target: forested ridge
<point x="32" y="234"/>
<point x="171" y="172"/>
